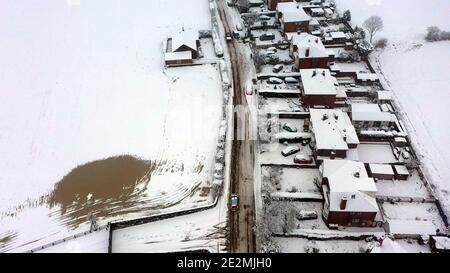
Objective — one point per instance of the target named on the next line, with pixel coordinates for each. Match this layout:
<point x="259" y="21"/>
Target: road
<point x="241" y="233"/>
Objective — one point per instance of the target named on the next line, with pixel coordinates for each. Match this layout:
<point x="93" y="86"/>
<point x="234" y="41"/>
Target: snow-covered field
<point x="417" y="72"/>
<point x="81" y="81"/>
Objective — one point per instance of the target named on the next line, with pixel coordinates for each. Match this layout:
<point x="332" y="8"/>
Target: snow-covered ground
<point x="82" y="81"/>
<point x="417" y="72"/>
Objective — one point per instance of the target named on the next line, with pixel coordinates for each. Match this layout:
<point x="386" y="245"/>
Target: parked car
<point x="234" y="202"/>
<point x="239" y="27"/>
<point x="249" y="89"/>
<point x="274" y="80"/>
<point x="277" y="68"/>
<point x="272" y="48"/>
<point x="269" y="52"/>
<point x="282" y="47"/>
<point x="290" y="150"/>
<point x="267" y="37"/>
<point x="288" y="127"/>
<point x="290" y="80"/>
<point x="303" y="159"/>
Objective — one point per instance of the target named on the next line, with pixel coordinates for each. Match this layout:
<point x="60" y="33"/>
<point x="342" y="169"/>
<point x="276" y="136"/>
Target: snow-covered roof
<point x="333" y="129"/>
<point x="348" y="179"/>
<point x="381" y="169"/>
<point x="367" y="76"/>
<point x="411" y="227"/>
<point x="185" y="37"/>
<point x="384" y="95"/>
<point x="305" y="41"/>
<point x="174" y="56"/>
<point x="317" y="10"/>
<point x="338" y="35"/>
<point x="389" y="246"/>
<point x="370" y="112"/>
<point x="401" y="169"/>
<point x="292" y="12"/>
<point x="441" y="242"/>
<point x="318" y="82"/>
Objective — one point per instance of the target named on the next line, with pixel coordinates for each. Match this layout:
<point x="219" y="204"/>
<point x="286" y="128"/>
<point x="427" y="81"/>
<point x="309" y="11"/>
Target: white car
<point x="277" y="68"/>
<point x="290" y="150"/>
<point x="274" y="80"/>
<point x="290" y="80"/>
<point x="249" y="89"/>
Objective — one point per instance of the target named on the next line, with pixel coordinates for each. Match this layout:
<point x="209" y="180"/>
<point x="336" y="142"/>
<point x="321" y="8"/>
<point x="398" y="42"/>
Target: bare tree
<point x="373" y="24"/>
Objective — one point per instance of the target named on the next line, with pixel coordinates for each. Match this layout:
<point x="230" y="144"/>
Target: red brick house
<point x="309" y="52"/>
<point x="319" y="88"/>
<point x="333" y="134"/>
<point x="349" y="194"/>
<point x="292" y="17"/>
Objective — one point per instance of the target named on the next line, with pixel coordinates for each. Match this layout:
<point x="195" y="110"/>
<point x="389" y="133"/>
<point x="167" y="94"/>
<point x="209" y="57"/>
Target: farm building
<point x="292" y="17"/>
<point x="182" y="48"/>
<point x="319" y="88"/>
<point x="333" y="133"/>
<point x="309" y="52"/>
<point x="349" y="194"/>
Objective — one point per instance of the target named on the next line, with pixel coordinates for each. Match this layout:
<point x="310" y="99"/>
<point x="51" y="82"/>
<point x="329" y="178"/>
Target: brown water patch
<point x="106" y="187"/>
<point x="6" y="239"/>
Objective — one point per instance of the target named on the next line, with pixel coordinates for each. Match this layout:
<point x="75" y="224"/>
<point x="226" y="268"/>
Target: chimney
<point x="317" y="41"/>
<point x="343" y="204"/>
<point x="323" y="73"/>
<point x="307" y="52"/>
<point x="314" y="73"/>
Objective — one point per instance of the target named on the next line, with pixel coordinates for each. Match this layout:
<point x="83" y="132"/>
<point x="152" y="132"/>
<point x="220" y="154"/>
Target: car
<point x="277" y="68"/>
<point x="272" y="48"/>
<point x="405" y="155"/>
<point x="290" y="80"/>
<point x="249" y="89"/>
<point x="282" y="47"/>
<point x="267" y="37"/>
<point x="234" y="202"/>
<point x="270" y="52"/>
<point x="275" y="80"/>
<point x="288" y="127"/>
<point x="239" y="27"/>
<point x="303" y="159"/>
<point x="228" y="36"/>
<point x="290" y="150"/>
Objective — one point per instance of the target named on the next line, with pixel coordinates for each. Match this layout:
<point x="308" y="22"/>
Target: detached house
<point x="333" y="134"/>
<point x="292" y="17"/>
<point x="349" y="194"/>
<point x="182" y="48"/>
<point x="309" y="52"/>
<point x="319" y="89"/>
